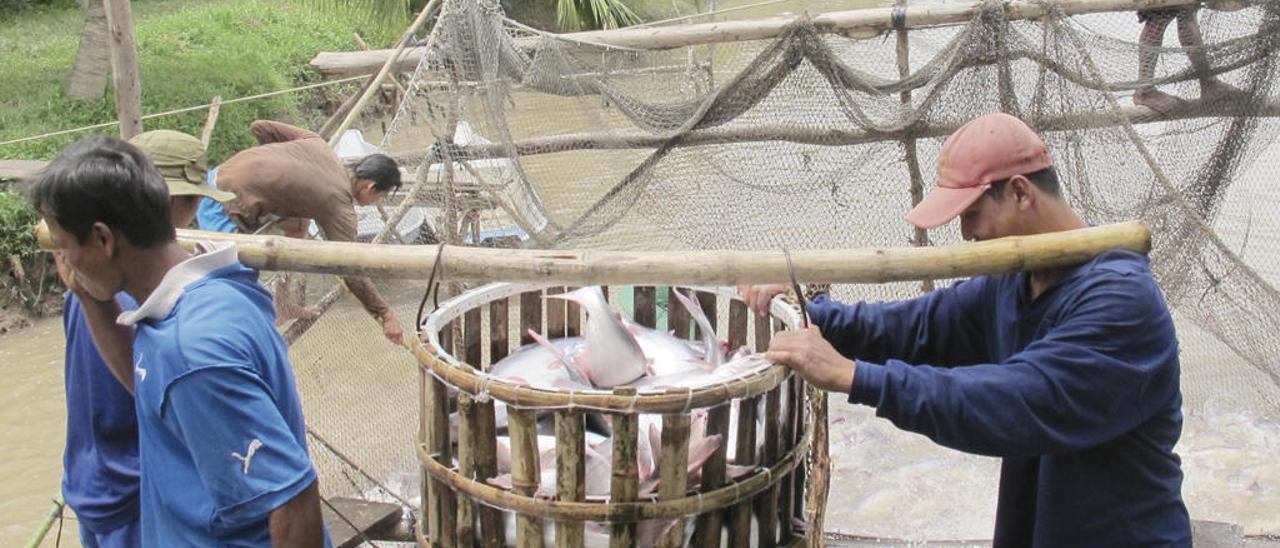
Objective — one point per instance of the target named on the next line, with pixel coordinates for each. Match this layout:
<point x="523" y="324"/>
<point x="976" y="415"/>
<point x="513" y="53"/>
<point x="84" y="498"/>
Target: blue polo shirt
<point x="221" y="430"/>
<point x="100" y="462"/>
<point x="1077" y="390"/>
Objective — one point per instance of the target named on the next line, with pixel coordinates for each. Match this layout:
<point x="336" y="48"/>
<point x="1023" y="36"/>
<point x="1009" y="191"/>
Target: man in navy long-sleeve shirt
<point x="1070" y="375"/>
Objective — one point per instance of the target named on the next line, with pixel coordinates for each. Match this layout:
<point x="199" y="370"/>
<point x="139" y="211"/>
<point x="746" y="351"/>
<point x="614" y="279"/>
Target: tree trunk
<point x="89" y="75"/>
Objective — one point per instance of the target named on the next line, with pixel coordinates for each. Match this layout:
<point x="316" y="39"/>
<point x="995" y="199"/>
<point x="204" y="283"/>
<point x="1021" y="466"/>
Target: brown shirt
<point x="294" y="174"/>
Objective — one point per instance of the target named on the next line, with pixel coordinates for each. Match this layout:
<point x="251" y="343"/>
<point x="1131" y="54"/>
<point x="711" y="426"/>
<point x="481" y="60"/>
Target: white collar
<point x="215" y="255"/>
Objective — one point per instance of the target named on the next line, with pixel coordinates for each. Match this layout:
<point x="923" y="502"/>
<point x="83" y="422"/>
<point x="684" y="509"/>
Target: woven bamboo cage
<point x="474" y="330"/>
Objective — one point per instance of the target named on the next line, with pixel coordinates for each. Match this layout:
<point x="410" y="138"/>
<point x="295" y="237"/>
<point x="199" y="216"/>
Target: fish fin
<point x="711" y="344"/>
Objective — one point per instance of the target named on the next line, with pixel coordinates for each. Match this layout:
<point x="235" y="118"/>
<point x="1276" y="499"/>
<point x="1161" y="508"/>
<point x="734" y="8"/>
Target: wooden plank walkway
<point x="372" y="519"/>
<point x="20" y="169"/>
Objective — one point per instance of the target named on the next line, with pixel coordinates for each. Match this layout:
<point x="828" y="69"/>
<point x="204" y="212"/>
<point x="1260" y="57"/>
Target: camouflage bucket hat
<point x="182" y="160"/>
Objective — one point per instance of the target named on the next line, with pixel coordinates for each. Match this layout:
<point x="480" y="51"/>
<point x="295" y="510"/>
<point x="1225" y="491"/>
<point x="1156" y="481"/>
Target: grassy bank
<point x="189" y="51"/>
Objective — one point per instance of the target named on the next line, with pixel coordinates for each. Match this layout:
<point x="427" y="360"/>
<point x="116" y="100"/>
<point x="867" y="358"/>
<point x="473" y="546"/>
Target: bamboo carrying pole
<point x="857" y="23"/>
<point x="706" y="268"/>
<point x="124" y="63"/>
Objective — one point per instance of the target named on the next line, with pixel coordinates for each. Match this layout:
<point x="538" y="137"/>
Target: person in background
<point x="291" y="177"/>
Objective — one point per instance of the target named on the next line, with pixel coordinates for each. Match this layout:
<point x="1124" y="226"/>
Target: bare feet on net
<point x="1156" y="100"/>
<point x="1217" y="90"/>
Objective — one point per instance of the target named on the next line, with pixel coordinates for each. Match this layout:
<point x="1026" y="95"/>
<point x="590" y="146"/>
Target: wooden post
<point x="206" y="133"/>
<point x="525" y="472"/>
<point x="570" y="472"/>
<point x="625" y="484"/>
<point x="124" y="61"/>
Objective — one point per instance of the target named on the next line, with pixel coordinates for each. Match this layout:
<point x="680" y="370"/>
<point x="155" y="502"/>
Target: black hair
<point x="1046" y="180"/>
<point x="380" y="169"/>
<point x="106" y="180"/>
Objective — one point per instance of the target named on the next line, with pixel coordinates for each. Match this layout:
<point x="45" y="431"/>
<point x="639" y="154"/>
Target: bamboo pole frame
<point x="615" y="140"/>
<point x="708" y="268"/>
<point x="853" y="23"/>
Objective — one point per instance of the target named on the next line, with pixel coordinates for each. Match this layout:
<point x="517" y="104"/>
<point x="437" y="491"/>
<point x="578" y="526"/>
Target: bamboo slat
<point x="677" y="316"/>
<point x="707" y="301"/>
<point x="673" y="470"/>
<point x="442" y="506"/>
<point x="485" y="453"/>
<point x="499" y="332"/>
<point x="570" y="473"/>
<point x="525" y="472"/>
<point x="744" y="455"/>
<point x="708" y="529"/>
<point x="573" y="315"/>
<point x="767" y="502"/>
<point x="555" y="313"/>
<point x="530" y="315"/>
<point x="465" y="526"/>
<point x="625" y="483"/>
<point x="787" y="485"/>
<point x="645" y="306"/>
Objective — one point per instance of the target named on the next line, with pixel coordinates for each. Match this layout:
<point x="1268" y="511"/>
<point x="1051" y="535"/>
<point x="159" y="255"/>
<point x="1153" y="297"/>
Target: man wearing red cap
<point x="1070" y="375"/>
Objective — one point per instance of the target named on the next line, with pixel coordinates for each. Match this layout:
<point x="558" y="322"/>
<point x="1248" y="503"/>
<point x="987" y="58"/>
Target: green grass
<point x="189" y="51"/>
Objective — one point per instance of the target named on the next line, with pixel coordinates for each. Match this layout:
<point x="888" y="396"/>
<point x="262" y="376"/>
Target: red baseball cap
<point x="990" y="148"/>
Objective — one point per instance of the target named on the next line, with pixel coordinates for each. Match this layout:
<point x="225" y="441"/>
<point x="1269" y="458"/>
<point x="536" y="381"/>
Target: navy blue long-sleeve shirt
<point x="1076" y="390"/>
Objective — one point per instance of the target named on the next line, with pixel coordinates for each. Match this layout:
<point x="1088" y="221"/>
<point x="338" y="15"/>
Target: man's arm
<point x="340" y="226"/>
<point x="267" y="131"/>
<point x="941" y="327"/>
<point x="1107" y="367"/>
<point x="114" y="341"/>
<point x="298" y="522"/>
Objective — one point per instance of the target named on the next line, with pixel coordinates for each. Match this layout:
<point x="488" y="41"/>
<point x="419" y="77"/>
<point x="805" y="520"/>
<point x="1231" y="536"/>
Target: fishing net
<point x="813" y="139"/>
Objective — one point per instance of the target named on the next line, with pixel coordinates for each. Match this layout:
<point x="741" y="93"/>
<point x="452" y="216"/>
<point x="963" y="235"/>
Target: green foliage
<point x="26" y="274"/>
<point x="574" y="15"/>
<point x="188" y="52"/>
<point x="16" y="221"/>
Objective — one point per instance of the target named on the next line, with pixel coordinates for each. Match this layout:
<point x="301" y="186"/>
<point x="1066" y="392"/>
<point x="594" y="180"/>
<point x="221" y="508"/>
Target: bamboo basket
<point x="470" y="332"/>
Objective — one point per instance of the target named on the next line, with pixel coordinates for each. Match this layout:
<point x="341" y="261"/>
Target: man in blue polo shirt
<point x="100" y="462"/>
<point x="1070" y="375"/>
<point x="221" y="438"/>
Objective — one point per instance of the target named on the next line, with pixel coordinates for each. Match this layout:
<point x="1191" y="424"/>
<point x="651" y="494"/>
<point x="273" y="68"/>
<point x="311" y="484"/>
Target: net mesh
<point x="809" y="140"/>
